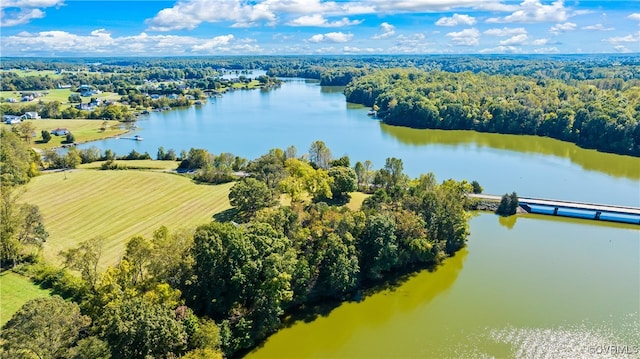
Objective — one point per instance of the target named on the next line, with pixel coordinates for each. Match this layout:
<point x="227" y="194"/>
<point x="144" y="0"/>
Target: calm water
<point x="249" y="123"/>
<point x="525" y="287"/>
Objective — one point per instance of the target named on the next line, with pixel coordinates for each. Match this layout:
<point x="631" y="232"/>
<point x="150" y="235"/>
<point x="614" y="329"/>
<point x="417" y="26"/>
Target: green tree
<point x="85" y="259"/>
<point x="26" y="130"/>
<point x="250" y="195"/>
<point x="46" y="136"/>
<point x="378" y="246"/>
<point x="344" y="181"/>
<point x="21" y="228"/>
<point x="70" y="138"/>
<point x="135" y="328"/>
<point x="43" y="328"/>
<point x="18" y="163"/>
<point x="508" y="204"/>
<point x="319" y="155"/>
<point x="90" y="347"/>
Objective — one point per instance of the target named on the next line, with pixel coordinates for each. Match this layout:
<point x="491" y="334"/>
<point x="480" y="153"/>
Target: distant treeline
<point x="603" y="114"/>
<point x="331" y="70"/>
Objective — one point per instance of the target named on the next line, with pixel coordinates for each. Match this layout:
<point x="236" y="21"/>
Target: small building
<point x="31" y="115"/>
<point x="60" y="132"/>
<point x="11" y="119"/>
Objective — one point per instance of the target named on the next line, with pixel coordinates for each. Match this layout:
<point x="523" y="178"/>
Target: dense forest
<point x="223" y="287"/>
<point x="602" y="113"/>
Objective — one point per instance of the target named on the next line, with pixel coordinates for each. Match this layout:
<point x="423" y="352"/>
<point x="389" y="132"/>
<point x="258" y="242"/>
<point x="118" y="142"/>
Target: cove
<point x="539" y="289"/>
<point x="525" y="286"/>
<point x="250" y="122"/>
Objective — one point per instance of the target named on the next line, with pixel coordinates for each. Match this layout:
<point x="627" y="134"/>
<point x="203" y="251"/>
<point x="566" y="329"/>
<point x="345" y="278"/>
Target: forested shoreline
<point x="223" y="287"/>
<point x="601" y="114"/>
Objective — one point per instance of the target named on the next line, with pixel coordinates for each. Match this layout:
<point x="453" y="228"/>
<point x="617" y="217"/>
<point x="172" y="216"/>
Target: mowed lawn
<point x="82" y="130"/>
<point x="15" y="290"/>
<point x="118" y="205"/>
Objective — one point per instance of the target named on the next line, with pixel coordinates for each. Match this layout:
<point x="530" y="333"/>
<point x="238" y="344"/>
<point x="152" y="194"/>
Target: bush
<point x="508" y="205"/>
<point x="70" y="138"/>
<point x="46" y="136"/>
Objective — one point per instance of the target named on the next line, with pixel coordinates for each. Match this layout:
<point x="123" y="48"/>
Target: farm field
<point x="118" y="205"/>
<point x="15" y="290"/>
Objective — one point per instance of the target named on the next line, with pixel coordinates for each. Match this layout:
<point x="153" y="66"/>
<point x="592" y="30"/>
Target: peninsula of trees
<point x="603" y="114"/>
<point x="287" y="244"/>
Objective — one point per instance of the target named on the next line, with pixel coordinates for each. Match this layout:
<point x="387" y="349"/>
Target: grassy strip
<point x="118" y="205"/>
<point x="15" y="290"/>
<point x="136" y="165"/>
<point x="82" y="130"/>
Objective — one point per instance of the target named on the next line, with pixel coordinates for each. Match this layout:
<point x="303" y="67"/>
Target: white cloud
<point x="386" y="30"/>
<point x="634" y="16"/>
<point x="628" y="38"/>
<point x="456" y="20"/>
<point x="514" y="40"/>
<point x="189" y="14"/>
<point x="321" y="21"/>
<point x="506" y="31"/>
<point x="439" y="5"/>
<point x="532" y="11"/>
<point x="546" y="50"/>
<point x="357" y="50"/>
<point x="540" y="42"/>
<point x="52" y="43"/>
<point x="597" y="27"/>
<point x="18" y="12"/>
<point x="217" y="41"/>
<point x="558" y="28"/>
<point x="331" y="37"/>
<point x="467" y="37"/>
<point x="501" y="50"/>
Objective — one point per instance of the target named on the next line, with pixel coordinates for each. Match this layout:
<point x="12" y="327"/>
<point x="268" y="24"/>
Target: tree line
<point x="220" y="289"/>
<point x="606" y="119"/>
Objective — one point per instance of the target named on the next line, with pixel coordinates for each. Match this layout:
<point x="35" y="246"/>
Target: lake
<point x="527" y="286"/>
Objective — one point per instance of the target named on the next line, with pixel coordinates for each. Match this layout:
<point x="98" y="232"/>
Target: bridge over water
<point x="552" y="207"/>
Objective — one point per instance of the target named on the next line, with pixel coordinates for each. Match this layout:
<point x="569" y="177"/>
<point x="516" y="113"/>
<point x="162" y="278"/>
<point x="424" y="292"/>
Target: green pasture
<point x="25" y="73"/>
<point x="15" y="290"/>
<point x="82" y="130"/>
<point x="60" y="95"/>
<point x="117" y="205"/>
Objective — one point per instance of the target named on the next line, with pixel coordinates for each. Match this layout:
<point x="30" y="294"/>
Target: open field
<point x="118" y="205"/>
<point x="25" y="73"/>
<point x="61" y="95"/>
<point x="15" y="290"/>
<point x="82" y="130"/>
<point x="136" y="164"/>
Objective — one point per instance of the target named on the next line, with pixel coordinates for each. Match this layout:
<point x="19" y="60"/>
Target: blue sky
<point x="52" y="28"/>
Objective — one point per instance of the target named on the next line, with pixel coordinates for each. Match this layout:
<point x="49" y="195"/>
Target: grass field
<point x="356" y="200"/>
<point x="82" y="130"/>
<point x="15" y="290"/>
<point x="118" y="205"/>
<point x="136" y="164"/>
<point x="22" y="73"/>
<point x="61" y="95"/>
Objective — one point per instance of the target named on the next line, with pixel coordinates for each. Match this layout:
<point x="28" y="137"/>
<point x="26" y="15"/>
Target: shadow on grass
<point x="228" y="215"/>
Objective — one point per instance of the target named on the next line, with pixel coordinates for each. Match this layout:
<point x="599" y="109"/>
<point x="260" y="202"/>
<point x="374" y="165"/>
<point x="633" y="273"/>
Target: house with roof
<point x="11" y="119"/>
<point x="31" y="115"/>
<point x="60" y="132"/>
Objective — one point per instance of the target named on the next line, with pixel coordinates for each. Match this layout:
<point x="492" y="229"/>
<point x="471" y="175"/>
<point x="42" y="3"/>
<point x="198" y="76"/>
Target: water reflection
<point x="382" y="308"/>
<point x="615" y="165"/>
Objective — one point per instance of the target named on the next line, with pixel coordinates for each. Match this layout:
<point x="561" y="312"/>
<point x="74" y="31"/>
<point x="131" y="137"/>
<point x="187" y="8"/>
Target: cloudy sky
<point x="52" y="28"/>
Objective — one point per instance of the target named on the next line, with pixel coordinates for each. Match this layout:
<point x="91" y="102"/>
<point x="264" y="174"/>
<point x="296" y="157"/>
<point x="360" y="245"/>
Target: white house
<point x="60" y="132"/>
<point x="32" y="115"/>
